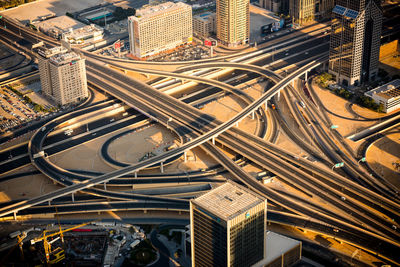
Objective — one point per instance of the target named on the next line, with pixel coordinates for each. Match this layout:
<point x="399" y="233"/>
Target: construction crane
<point x="20" y="243"/>
<point x="47" y="244"/>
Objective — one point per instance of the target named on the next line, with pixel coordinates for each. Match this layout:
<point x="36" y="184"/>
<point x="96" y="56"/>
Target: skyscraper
<point x="273" y="5"/>
<point x="62" y="75"/>
<point x="308" y="10"/>
<point x="233" y="22"/>
<point x="355" y="41"/>
<point x="228" y="227"/>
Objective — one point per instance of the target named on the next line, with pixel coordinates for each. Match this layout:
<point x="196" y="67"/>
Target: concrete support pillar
<point x="182" y="81"/>
<point x="15" y="216"/>
<point x="185" y="156"/>
<point x="266" y="105"/>
<point x="162" y="167"/>
<point x="73" y="198"/>
<point x="147" y="75"/>
<point x="105" y="186"/>
<point x="306" y="75"/>
<point x="144" y="211"/>
<point x="278" y="95"/>
<point x="49" y="202"/>
<point x="252" y="115"/>
<point x="293" y="82"/>
<point x="135" y="174"/>
<point x="125" y="71"/>
<point x="213" y="140"/>
<point x="237" y="124"/>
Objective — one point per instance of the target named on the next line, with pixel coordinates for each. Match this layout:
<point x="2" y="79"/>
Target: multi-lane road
<point x="201" y="129"/>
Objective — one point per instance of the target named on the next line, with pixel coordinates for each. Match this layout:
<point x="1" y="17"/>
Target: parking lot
<point x="17" y="108"/>
<point x="185" y="53"/>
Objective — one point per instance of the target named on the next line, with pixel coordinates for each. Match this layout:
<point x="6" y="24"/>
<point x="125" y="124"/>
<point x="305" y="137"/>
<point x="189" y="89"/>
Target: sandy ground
<point x="45" y="7"/>
<point x="26" y="186"/>
<point x="9" y="61"/>
<point x="339" y="115"/>
<point x="391" y="63"/>
<point x="383" y="155"/>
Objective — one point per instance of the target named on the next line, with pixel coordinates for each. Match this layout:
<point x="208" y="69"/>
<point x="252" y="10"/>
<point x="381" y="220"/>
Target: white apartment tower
<point x="159" y="28"/>
<point x="62" y="75"/>
<point x="233" y="22"/>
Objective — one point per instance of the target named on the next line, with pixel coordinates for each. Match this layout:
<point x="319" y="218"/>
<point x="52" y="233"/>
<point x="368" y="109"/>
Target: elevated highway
<point x="158" y="159"/>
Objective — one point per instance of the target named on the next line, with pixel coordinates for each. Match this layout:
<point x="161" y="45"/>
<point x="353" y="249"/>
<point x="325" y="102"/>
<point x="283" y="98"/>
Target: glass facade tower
<point x="228" y="227"/>
<point x="355" y="41"/>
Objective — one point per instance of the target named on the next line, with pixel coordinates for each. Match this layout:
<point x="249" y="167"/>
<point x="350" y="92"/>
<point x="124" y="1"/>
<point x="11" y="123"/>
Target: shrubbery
<point x="343" y="93"/>
<point x="368" y="102"/>
<point x="121" y="13"/>
<point x="324" y="79"/>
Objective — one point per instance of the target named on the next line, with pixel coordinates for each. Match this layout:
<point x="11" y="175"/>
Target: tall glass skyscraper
<point x="228" y="227"/>
<point x="355" y="41"/>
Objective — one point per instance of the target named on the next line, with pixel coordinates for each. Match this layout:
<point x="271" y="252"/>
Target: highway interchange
<point x="369" y="205"/>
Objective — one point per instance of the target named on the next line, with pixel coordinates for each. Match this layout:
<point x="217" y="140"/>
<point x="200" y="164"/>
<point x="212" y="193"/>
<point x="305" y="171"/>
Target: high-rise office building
<point x="273" y="5"/>
<point x="303" y="11"/>
<point x="62" y="75"/>
<point x="228" y="227"/>
<point x="233" y="22"/>
<point x="154" y="29"/>
<point x="355" y="41"/>
<point x="277" y="6"/>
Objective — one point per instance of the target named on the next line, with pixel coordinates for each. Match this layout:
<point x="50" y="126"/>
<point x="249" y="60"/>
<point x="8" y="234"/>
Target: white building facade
<point x="388" y="95"/>
<point x="63" y="75"/>
<point x="159" y="28"/>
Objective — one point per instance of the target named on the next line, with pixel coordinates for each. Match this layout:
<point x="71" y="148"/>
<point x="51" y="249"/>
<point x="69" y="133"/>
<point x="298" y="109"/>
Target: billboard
<point x="210" y="42"/>
<point x="117" y="45"/>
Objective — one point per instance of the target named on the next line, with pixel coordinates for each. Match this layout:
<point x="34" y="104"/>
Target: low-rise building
<point x="154" y="29"/>
<point x="204" y="24"/>
<point x="55" y="27"/>
<point x="86" y="34"/>
<point x="388" y="95"/>
<point x="281" y="251"/>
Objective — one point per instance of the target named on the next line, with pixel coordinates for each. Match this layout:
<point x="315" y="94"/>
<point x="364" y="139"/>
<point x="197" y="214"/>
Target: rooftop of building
<point x="61" y="23"/>
<point x="64" y="58"/>
<point x="204" y="16"/>
<point x="84" y="31"/>
<point x="151" y="11"/>
<point x="280" y="245"/>
<point x="49" y="52"/>
<point x="387" y="91"/>
<point x="228" y="200"/>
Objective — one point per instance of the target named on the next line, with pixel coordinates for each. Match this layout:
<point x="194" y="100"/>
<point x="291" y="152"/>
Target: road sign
<point x="334" y="126"/>
<point x="363" y="159"/>
<point x="339" y="165"/>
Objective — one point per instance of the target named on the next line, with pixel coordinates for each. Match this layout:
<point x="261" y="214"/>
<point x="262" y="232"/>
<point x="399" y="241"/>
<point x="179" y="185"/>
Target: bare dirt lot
<point x="384" y="157"/>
